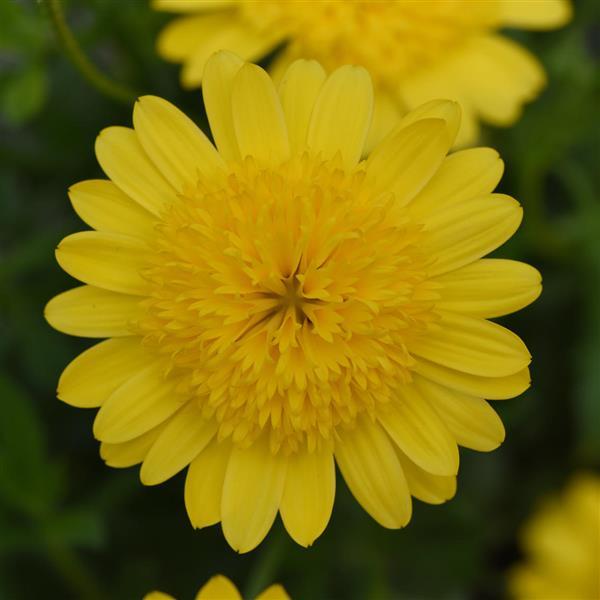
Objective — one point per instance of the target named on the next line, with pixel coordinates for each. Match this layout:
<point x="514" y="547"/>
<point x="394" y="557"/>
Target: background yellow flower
<point x="276" y="301"/>
<point x="562" y="546"/>
<point x="415" y="51"/>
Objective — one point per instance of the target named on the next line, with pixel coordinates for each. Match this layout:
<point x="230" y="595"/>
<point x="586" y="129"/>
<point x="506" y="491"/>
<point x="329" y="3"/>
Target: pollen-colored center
<point x="285" y="299"/>
<point x="390" y="38"/>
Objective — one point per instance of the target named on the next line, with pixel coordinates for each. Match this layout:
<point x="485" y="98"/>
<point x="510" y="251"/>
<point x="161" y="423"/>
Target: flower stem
<point x="81" y="62"/>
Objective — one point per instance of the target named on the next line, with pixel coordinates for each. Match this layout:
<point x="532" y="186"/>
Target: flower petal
<point x="433" y="489"/>
<point x="183" y="6"/>
<point x="492" y="388"/>
<point x="219" y="73"/>
<point x="298" y="90"/>
<point x="204" y="484"/>
<point x="463" y="175"/>
<point x="418" y="431"/>
<point x="273" y="592"/>
<point x="342" y="115"/>
<point x="252" y="492"/>
<point x="132" y="452"/>
<point x="93" y="312"/>
<point x="218" y="587"/>
<point x="123" y="159"/>
<point x="472" y="421"/>
<point x="108" y="260"/>
<point x="461" y="234"/>
<point x="372" y="471"/>
<point x="258" y="118"/>
<point x="174" y="143"/>
<point x="103" y="206"/>
<point x="144" y="401"/>
<point x="405" y="161"/>
<point x="308" y="495"/>
<point x="96" y="373"/>
<point x="489" y="288"/>
<point x="546" y="14"/>
<point x="185" y="435"/>
<point x="473" y="346"/>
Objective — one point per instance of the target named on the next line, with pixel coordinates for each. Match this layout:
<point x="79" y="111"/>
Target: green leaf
<point x="22" y="94"/>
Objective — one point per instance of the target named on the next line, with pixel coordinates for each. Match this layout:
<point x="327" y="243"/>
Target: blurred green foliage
<point x="72" y="528"/>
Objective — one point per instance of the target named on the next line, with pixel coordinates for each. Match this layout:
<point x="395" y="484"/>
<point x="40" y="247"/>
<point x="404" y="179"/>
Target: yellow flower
<point x="562" y="546"/>
<point x="415" y="51"/>
<point x="276" y="302"/>
<point x="221" y="588"/>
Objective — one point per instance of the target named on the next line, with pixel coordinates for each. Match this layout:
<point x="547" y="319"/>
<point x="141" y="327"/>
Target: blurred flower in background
<point x="415" y="51"/>
<point x="275" y="301"/>
<point x="562" y="546"/>
<point x="221" y="588"/>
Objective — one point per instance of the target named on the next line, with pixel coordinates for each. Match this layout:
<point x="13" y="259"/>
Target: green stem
<point x="81" y="62"/>
<point x="266" y="566"/>
<point x="73" y="572"/>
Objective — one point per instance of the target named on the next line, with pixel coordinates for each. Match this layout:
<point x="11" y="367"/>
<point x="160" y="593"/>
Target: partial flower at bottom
<point x="221" y="588"/>
<point x="562" y="546"/>
<point x="276" y="305"/>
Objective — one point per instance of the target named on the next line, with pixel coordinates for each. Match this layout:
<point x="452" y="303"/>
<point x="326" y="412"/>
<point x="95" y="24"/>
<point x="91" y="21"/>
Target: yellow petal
<point x="258" y="118"/>
<point x="446" y="110"/>
<point x="108" y="260"/>
<point x="93" y="312"/>
<point x="273" y="592"/>
<point x="387" y="111"/>
<point x="144" y="401"/>
<point x="183" y="6"/>
<point x="489" y="288"/>
<point x="219" y="73"/>
<point x="158" y="596"/>
<point x="103" y="206"/>
<point x="433" y="489"/>
<point x="252" y="493"/>
<point x="463" y="175"/>
<point x="218" y="588"/>
<point x="178" y="148"/>
<point x="492" y="388"/>
<point x="473" y="346"/>
<point x="405" y="161"/>
<point x="298" y="91"/>
<point x="185" y="435"/>
<point x="472" y="421"/>
<point x="461" y="234"/>
<point x="308" y="495"/>
<point x="236" y="35"/>
<point x="373" y="473"/>
<point x="418" y="431"/>
<point x="132" y="452"/>
<point x="123" y="159"/>
<point x="342" y="115"/>
<point x="183" y="36"/>
<point x="204" y="484"/>
<point x="498" y="76"/>
<point x="96" y="373"/>
<point x="534" y="14"/>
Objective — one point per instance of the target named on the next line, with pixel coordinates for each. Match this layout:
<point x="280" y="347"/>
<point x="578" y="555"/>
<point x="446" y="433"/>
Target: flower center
<point x="285" y="299"/>
<point x="391" y="39"/>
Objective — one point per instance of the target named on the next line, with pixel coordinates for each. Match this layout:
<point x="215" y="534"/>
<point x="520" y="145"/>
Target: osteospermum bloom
<point x="276" y="302"/>
<point x="415" y="51"/>
<point x="221" y="588"/>
<point x="562" y="546"/>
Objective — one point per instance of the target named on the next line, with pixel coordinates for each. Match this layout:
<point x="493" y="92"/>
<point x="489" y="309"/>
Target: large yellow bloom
<point x="276" y="301"/>
<point x="562" y="546"/>
<point x="221" y="588"/>
<point x="416" y="51"/>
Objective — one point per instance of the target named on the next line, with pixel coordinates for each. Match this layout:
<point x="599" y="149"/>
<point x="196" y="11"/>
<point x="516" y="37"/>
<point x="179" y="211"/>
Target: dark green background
<point x="72" y="528"/>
